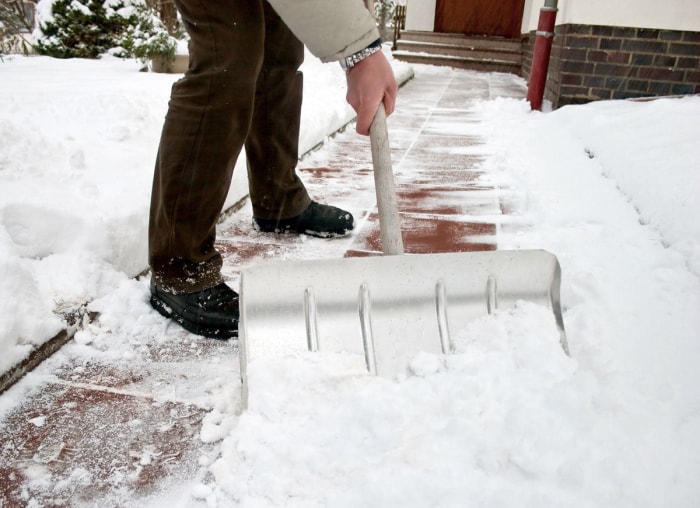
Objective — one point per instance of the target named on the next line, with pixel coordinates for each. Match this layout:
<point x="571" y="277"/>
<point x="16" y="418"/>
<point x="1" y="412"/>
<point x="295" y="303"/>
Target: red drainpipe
<point x="540" y="56"/>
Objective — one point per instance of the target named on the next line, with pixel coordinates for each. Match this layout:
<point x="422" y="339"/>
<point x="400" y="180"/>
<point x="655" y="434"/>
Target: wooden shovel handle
<point x="389" y="222"/>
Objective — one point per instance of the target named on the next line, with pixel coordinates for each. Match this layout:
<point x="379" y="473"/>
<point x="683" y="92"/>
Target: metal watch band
<point x="349" y="62"/>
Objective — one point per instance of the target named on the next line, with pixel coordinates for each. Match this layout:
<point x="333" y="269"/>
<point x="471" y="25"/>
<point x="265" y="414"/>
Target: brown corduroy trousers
<point x="242" y="88"/>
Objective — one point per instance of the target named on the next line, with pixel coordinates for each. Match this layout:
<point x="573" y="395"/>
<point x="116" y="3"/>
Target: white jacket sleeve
<point x="331" y="29"/>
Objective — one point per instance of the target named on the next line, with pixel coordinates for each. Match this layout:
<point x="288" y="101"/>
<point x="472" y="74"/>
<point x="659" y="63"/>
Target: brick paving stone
<point x="122" y="430"/>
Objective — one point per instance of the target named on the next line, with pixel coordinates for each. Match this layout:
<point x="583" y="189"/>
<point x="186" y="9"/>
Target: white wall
<point x="531" y="15"/>
<point x="664" y="14"/>
<point x="420" y="15"/>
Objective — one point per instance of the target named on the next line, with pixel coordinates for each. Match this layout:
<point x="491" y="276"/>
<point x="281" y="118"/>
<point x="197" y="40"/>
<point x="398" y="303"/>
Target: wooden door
<point x="480" y="17"/>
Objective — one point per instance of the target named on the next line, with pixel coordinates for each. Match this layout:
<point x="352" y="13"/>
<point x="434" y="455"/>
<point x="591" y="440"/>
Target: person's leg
<point x="272" y="146"/>
<point x="208" y="120"/>
<point x="279" y="199"/>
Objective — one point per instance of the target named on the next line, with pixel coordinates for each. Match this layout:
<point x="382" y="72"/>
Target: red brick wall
<point x="590" y="63"/>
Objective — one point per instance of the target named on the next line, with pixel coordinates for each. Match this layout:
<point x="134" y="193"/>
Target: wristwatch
<point x="351" y="61"/>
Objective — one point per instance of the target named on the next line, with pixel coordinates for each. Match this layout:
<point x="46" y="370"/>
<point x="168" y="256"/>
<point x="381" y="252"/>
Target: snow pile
<point x="77" y="145"/>
<point x="662" y="183"/>
<point x="477" y="425"/>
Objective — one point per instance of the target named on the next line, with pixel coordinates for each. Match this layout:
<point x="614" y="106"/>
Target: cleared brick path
<point x="109" y="432"/>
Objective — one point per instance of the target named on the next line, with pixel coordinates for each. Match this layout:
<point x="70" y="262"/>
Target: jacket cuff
<point x="357" y="45"/>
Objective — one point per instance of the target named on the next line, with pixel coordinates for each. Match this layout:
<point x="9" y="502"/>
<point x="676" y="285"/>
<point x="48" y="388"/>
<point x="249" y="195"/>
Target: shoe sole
<point x="308" y="232"/>
<point x="209" y="332"/>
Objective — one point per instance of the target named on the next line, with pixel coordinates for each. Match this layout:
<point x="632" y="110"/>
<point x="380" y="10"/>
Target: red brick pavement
<point x="99" y="432"/>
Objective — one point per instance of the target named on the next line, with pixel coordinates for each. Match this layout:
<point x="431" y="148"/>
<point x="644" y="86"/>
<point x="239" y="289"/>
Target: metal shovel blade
<point x="387" y="308"/>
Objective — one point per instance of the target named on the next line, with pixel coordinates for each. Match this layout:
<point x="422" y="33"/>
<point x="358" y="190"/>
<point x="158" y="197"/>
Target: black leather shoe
<point x="317" y="220"/>
<point x="211" y="313"/>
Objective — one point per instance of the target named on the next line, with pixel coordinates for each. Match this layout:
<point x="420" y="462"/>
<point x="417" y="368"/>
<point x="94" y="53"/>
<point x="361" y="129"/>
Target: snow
<point x="77" y="142"/>
<point x="508" y="420"/>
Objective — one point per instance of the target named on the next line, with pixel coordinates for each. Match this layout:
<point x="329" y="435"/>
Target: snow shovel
<point x="387" y="308"/>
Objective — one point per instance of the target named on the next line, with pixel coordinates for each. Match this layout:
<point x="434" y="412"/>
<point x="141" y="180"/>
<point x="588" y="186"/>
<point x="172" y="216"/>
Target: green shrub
<point x="91" y="28"/>
<point x="146" y="37"/>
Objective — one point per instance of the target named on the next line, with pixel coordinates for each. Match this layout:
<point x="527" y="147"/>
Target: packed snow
<point x="508" y="419"/>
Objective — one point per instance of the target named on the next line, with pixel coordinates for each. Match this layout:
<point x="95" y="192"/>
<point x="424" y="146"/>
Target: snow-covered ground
<point x="611" y="188"/>
<point x="77" y="149"/>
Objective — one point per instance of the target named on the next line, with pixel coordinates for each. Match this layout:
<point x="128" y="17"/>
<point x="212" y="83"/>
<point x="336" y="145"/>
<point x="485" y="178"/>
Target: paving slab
<point x="121" y="414"/>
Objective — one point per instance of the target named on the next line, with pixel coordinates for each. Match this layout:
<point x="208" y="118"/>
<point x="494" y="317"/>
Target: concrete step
<point x="489" y="54"/>
<point x="461" y="40"/>
<point x="460" y="51"/>
<point x="458" y="62"/>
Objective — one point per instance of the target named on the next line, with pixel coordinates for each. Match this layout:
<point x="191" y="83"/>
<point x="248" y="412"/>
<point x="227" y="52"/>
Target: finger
<point x="364" y="120"/>
<point x="389" y="98"/>
<point x="389" y="103"/>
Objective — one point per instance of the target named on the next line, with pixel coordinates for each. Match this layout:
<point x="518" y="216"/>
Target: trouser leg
<point x="208" y="119"/>
<point x="272" y="146"/>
